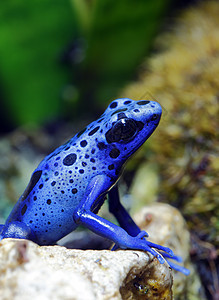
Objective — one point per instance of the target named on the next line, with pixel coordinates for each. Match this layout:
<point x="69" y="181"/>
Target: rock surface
<point x="166" y="226"/>
<point x="28" y="271"/>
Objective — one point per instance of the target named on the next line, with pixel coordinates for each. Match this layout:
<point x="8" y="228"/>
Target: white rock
<point x="28" y="271"/>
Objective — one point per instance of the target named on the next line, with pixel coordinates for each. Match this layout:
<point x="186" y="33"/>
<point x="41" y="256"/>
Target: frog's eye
<point x="123" y="130"/>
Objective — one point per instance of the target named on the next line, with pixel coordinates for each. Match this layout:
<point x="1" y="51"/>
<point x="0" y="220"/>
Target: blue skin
<point x="69" y="186"/>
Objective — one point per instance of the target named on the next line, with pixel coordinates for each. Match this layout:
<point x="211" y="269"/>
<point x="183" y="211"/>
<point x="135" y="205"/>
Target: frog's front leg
<point x="84" y="215"/>
<point x="126" y="222"/>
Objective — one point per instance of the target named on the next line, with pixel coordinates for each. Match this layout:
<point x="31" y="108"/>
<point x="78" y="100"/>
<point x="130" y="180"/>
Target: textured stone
<point x="28" y="271"/>
<point x="166" y="226"/>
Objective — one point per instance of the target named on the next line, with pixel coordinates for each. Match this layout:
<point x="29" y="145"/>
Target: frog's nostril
<point x="154" y="117"/>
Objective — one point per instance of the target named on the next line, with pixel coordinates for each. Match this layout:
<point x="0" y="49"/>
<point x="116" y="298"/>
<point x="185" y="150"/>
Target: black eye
<point x="122" y="130"/>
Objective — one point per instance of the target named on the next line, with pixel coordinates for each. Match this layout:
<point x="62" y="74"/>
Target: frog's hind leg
<point x="17" y="230"/>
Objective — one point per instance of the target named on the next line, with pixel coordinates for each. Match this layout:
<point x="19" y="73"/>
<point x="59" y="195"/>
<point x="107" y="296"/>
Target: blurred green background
<point x="59" y="59"/>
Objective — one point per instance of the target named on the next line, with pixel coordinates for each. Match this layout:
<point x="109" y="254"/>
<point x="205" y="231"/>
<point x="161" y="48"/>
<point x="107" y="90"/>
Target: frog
<point x="70" y="185"/>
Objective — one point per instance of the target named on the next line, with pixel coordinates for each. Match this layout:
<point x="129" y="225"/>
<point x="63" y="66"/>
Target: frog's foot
<point x="167" y="253"/>
<point x="161" y="253"/>
<point x="17" y="230"/>
<point x="141" y="235"/>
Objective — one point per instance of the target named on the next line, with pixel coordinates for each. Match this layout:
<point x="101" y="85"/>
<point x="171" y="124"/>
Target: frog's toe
<point x="178" y="268"/>
<point x="142" y="234"/>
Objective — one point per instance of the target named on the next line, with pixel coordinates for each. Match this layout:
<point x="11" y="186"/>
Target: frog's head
<point x="130" y="123"/>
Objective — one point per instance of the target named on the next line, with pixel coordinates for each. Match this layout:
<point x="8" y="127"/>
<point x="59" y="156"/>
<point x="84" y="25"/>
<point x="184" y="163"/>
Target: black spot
<point x="43" y="214"/>
<point x="113" y="105"/>
<point x="48" y="223"/>
<point x="81" y="171"/>
<point x="57" y="158"/>
<point x="136" y="110"/>
<point x="24" y="208"/>
<point x="56" y="164"/>
<point x="94" y="131"/>
<point x="87" y="156"/>
<point x="74" y="191"/>
<point x="63" y="192"/>
<point x="56" y="173"/>
<point x="71" y="181"/>
<point x="121" y="116"/>
<point x="93" y="151"/>
<point x="41" y="186"/>
<point x="144" y="102"/>
<point x="54" y="154"/>
<point x="49" y="201"/>
<point x="114" y="153"/>
<point x="53" y="183"/>
<point x="94" y="168"/>
<point x="117" y="172"/>
<point x="101" y="146"/>
<point x="119" y="110"/>
<point x="35" y="198"/>
<point x="127" y="102"/>
<point x="92" y="160"/>
<point x="84" y="164"/>
<point x="111" y="167"/>
<point x="33" y="181"/>
<point x="70" y="159"/>
<point x="83" y="143"/>
<point x="67" y="148"/>
<point x="81" y="132"/>
<point x="100" y="120"/>
<point x="31" y="221"/>
<point x="62" y="210"/>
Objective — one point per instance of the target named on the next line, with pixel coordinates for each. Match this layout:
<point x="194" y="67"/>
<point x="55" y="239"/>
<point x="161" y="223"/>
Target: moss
<point x="183" y="77"/>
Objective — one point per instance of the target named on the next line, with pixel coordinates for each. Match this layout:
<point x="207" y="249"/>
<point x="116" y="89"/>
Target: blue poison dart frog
<point x="69" y="186"/>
